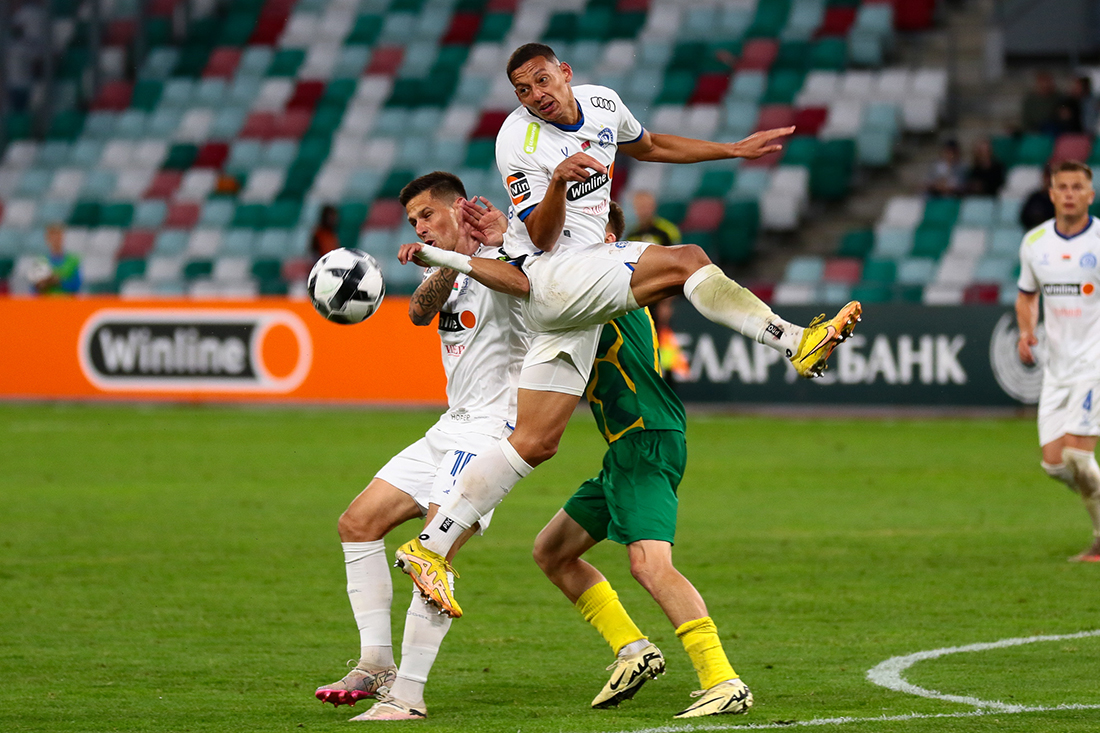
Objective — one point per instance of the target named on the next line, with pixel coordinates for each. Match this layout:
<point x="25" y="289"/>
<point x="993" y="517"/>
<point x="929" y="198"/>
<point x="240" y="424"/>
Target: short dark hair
<point x="529" y="51"/>
<point x="1070" y="166"/>
<point x="442" y="185"/>
<point x="616" y="221"/>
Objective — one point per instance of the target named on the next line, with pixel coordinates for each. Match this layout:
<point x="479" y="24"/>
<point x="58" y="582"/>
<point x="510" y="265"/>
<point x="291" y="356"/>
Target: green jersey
<point x="626" y="390"/>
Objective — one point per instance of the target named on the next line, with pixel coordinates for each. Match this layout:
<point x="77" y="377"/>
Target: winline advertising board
<point x="266" y="350"/>
<point x="276" y="350"/>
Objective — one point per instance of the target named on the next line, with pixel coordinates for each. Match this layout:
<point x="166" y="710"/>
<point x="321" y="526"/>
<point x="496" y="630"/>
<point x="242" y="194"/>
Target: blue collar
<point x="1073" y="236"/>
<point x="569" y="128"/>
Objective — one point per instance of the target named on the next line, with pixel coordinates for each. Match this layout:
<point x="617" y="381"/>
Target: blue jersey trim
<point x="525" y="213"/>
<point x="635" y="139"/>
<point x="1073" y="236"/>
<point x="574" y="127"/>
<point x="1027" y="292"/>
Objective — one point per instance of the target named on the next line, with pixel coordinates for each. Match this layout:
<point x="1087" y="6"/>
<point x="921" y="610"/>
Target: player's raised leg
<point x="662" y="272"/>
<point x="722" y="690"/>
<point x="372" y="514"/>
<point x="558" y="549"/>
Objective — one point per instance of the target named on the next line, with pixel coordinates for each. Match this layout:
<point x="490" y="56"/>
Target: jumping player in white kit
<point x="556" y="155"/>
<point x="1059" y="260"/>
<point x="483" y="341"/>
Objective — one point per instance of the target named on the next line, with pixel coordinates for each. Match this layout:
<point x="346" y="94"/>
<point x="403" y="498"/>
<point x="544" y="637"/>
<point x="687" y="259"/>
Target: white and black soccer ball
<point x="346" y="286"/>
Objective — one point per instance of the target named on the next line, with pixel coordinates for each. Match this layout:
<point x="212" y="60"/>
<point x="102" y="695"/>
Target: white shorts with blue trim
<point x="1068" y="409"/>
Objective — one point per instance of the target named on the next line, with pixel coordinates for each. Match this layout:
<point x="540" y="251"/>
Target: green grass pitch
<point x="178" y="569"/>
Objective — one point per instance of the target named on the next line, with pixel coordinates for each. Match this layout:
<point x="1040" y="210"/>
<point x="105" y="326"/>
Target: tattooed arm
<point x="430" y="296"/>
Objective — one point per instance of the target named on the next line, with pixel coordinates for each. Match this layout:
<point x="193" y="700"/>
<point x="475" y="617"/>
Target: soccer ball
<point x="346" y="286"/>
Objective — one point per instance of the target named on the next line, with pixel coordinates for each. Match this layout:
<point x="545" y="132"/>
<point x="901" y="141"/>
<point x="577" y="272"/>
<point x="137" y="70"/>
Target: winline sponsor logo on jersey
<point x="164" y="350"/>
<point x="452" y="322"/>
<point x="1067" y="289"/>
<point x="594" y="182"/>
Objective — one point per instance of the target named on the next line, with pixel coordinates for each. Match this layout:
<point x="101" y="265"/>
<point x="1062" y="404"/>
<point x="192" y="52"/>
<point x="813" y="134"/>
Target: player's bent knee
<point x="358" y="527"/>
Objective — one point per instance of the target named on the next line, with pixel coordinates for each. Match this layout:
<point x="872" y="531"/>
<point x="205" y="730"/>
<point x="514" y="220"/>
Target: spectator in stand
<point x="986" y="174"/>
<point x="650" y="227"/>
<point x="62" y="275"/>
<point x="948" y="176"/>
<point x="1085" y="103"/>
<point x="1067" y="119"/>
<point x="325" y="238"/>
<point x="1040" y="103"/>
<point x="1037" y="206"/>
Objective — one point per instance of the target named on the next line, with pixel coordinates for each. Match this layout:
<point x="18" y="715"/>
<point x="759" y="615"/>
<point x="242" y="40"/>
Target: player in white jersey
<point x="482" y="345"/>
<point x="556" y="156"/>
<point x="1059" y="260"/>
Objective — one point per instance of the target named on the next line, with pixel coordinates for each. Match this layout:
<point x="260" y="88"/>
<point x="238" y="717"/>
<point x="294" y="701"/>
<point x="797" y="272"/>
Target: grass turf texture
<point x="178" y="569"/>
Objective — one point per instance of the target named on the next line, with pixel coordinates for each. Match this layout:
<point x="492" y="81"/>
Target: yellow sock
<point x="700" y="638"/>
<point x="600" y="607"/>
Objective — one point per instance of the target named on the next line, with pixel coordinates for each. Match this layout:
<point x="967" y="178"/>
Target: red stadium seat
<point x="160" y="7"/>
<point x="164" y="185"/>
<point x="463" y="29"/>
<point x="758" y="54"/>
<point x="837" y="22"/>
<point x="847" y="270"/>
<point x="222" y="63"/>
<point x="632" y="6"/>
<point x="212" y="155"/>
<point x="710" y="88"/>
<point x="137" y="244"/>
<point x="489" y="124"/>
<point x="268" y="28"/>
<point x="501" y="6"/>
<point x="259" y="125"/>
<point x="810" y="119"/>
<point x="120" y="32"/>
<point x="704" y="215"/>
<point x="306" y="95"/>
<point x="762" y="290"/>
<point x="982" y="293"/>
<point x="293" y="124"/>
<point x="386" y="60"/>
<point x="113" y="96"/>
<point x="913" y="15"/>
<point x="385" y="214"/>
<point x="296" y="269"/>
<point x="1072" y="147"/>
<point x="182" y="215"/>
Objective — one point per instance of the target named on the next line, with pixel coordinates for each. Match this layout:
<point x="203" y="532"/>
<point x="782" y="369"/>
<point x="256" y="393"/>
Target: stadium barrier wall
<point x="899" y="355"/>
<point x="265" y="350"/>
<point x="277" y="350"/>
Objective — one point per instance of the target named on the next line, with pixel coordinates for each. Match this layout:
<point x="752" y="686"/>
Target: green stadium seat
<point x="494" y="27"/>
<point x="181" y="156"/>
<point x="677" y="88"/>
<point x="562" y="27"/>
<point x="286" y="62"/>
<point x="1034" y="150"/>
<point x="716" y="184"/>
<point x="783" y="86"/>
<point x="736" y="237"/>
<point x="1004" y="150"/>
<point x="872" y="293"/>
<point x="197" y="268"/>
<point x="674" y="211"/>
<point x="595" y="24"/>
<point x="829" y="54"/>
<point x="481" y="154"/>
<point x="365" y="31"/>
<point x="116" y="215"/>
<point x="250" y="216"/>
<point x="882" y="272"/>
<point x="192" y="61"/>
<point x="65" y="125"/>
<point x="627" y="25"/>
<point x="283" y="214"/>
<point x="85" y="214"/>
<point x="770" y="19"/>
<point x="941" y="212"/>
<point x="236" y="28"/>
<point x="801" y="150"/>
<point x="127" y="269"/>
<point x="931" y="240"/>
<point x="857" y="243"/>
<point x="394" y="182"/>
<point x="267" y="269"/>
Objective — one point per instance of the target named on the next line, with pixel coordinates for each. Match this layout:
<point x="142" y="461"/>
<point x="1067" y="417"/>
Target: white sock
<point x="370" y="590"/>
<point x="425" y="628"/>
<point x="634" y="647"/>
<point x="723" y="301"/>
<point x="1086" y="474"/>
<point x="1060" y="472"/>
<point x="480" y="487"/>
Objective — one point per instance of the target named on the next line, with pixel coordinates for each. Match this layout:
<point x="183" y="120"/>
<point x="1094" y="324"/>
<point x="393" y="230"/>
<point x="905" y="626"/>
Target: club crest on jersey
<point x="1088" y="260"/>
<point x="519" y="188"/>
<point x="606" y="137"/>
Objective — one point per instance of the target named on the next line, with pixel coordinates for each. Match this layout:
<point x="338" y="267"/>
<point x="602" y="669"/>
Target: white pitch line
<point x="845" y="720"/>
<point x="888" y="674"/>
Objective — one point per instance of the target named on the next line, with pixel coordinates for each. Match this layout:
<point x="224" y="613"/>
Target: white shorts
<point x="574" y="292"/>
<point x="1068" y="409"/>
<point x="583" y="285"/>
<point x="427" y="469"/>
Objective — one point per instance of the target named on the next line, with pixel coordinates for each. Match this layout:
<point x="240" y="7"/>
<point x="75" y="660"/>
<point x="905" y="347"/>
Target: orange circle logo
<point x="1088" y="289"/>
<point x="467" y="319"/>
<point x="280" y="351"/>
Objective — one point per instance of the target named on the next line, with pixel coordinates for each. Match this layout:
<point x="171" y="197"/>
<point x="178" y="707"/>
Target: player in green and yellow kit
<point x="633" y="502"/>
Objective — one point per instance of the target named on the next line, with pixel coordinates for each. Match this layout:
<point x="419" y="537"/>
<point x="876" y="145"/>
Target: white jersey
<point x="1064" y="270"/>
<point x="528" y="149"/>
<point x="483" y="341"/>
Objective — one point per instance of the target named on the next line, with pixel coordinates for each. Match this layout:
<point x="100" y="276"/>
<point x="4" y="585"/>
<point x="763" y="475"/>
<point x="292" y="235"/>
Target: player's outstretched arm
<point x="661" y="148"/>
<point x="496" y="275"/>
<point x="430" y="296"/>
<point x="1027" y="317"/>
